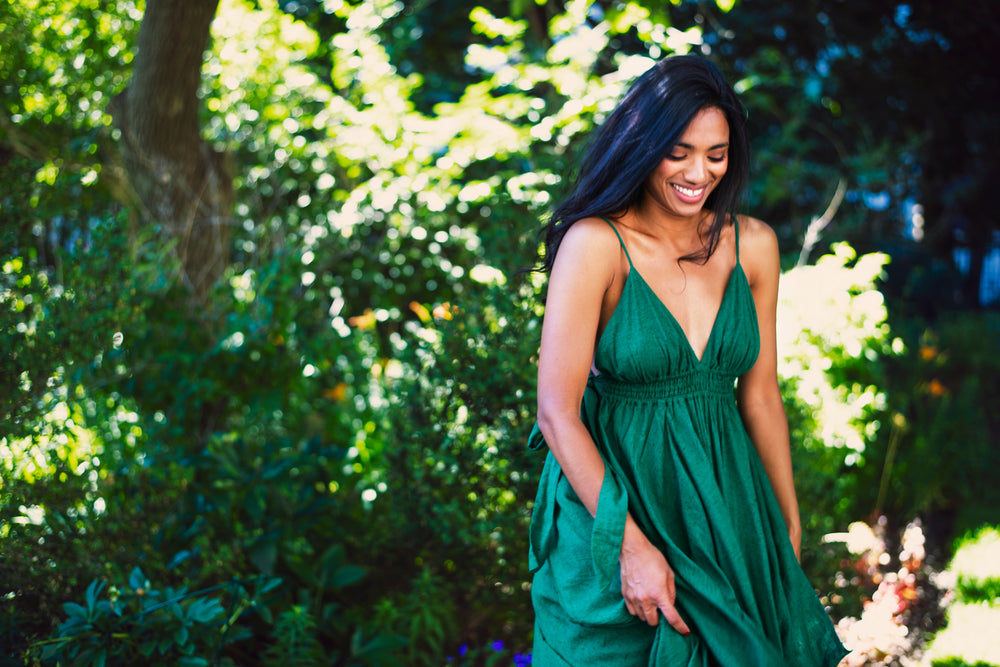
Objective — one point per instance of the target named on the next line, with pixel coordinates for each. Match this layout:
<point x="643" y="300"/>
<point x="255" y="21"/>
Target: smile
<point x="688" y="192"/>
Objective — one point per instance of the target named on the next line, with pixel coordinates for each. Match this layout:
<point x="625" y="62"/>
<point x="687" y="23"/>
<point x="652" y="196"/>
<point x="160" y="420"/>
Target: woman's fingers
<point x="646" y="610"/>
<point x="648" y="586"/>
<point x="674" y="619"/>
<point x="631" y="607"/>
<point x="666" y="605"/>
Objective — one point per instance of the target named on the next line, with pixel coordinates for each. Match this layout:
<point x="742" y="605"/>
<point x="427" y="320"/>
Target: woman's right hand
<point x="648" y="581"/>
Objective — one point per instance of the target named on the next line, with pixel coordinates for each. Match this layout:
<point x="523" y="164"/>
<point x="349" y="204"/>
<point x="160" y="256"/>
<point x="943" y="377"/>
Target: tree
<point x="177" y="180"/>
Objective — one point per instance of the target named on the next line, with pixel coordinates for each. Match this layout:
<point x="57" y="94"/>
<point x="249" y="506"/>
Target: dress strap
<point x="736" y="226"/>
<point x="622" y="241"/>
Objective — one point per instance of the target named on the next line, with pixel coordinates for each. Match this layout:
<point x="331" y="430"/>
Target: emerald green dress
<point x="679" y="458"/>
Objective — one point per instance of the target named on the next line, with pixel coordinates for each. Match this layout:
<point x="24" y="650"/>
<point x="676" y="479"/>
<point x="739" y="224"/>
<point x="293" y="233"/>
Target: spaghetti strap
<point x="736" y="226"/>
<point x="622" y="242"/>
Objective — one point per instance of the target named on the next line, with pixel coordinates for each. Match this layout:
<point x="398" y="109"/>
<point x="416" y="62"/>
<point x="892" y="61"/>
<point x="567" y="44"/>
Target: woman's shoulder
<point x="590" y="247"/>
<point x="586" y="265"/>
<point x="755" y="230"/>
<point x="592" y="236"/>
<point x="758" y="246"/>
<point x="755" y="235"/>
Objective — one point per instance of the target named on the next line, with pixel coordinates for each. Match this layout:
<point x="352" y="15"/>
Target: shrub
<point x="140" y="624"/>
<point x="969" y="640"/>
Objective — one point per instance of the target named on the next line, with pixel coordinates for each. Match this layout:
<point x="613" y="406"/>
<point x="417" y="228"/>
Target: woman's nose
<point x="696" y="171"/>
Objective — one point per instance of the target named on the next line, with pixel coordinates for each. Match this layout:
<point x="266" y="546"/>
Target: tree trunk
<point x="175" y="180"/>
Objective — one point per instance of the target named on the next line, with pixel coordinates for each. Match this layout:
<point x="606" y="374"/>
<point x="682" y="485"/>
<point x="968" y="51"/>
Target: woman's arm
<point x="586" y="266"/>
<point x="583" y="271"/>
<point x="757" y="391"/>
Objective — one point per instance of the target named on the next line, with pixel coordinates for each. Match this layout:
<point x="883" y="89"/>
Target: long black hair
<point x="645" y="126"/>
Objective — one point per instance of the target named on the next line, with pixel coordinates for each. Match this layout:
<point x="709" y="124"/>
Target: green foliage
<point x="944" y="387"/>
<point x="456" y="475"/>
<point x="138" y="623"/>
<point x="347" y="409"/>
<point x="295" y="640"/>
<point x="973" y="613"/>
<point x="833" y="343"/>
<point x="60" y="63"/>
<point x="976" y="566"/>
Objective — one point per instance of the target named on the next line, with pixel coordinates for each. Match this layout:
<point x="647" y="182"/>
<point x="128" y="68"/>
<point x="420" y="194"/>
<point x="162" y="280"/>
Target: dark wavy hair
<point x="645" y="126"/>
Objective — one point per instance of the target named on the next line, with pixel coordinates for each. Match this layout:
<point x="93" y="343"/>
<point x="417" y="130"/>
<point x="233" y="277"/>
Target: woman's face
<point x="682" y="181"/>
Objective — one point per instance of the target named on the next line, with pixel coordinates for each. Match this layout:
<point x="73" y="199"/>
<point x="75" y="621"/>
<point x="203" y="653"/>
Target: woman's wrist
<point x="633" y="538"/>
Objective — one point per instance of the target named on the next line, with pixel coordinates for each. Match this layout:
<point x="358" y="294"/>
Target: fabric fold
<point x="612" y="504"/>
<point x="609" y="528"/>
<point x="543" y="514"/>
<point x="609" y="523"/>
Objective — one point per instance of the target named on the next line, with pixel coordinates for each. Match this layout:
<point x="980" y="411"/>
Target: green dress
<point x="679" y="458"/>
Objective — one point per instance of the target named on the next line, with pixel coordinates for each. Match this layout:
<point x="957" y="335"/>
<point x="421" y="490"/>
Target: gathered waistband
<point x="682" y="384"/>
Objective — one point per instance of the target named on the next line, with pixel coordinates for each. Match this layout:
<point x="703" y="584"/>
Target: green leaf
<point x="264" y="554"/>
<point x="137" y="579"/>
<point x="268" y="585"/>
<point x="378" y="647"/>
<point x="92" y="592"/>
<point x="347" y="575"/>
<point x="204" y="610"/>
<point x="73" y="610"/>
<point x="192" y="662"/>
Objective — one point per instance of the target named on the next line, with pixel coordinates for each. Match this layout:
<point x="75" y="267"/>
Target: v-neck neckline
<point x="698" y="361"/>
<point x="715" y="322"/>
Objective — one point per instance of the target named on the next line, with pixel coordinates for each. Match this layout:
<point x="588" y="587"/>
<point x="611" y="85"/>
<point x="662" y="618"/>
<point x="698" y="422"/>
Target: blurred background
<point x="267" y="360"/>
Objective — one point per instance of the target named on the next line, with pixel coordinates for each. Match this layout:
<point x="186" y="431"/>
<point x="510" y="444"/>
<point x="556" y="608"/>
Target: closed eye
<point x="711" y="158"/>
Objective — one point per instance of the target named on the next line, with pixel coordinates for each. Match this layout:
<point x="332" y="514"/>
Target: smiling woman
<point x="666" y="527"/>
<point x="682" y="181"/>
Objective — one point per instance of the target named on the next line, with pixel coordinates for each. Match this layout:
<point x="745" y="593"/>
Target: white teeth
<point x="687" y="192"/>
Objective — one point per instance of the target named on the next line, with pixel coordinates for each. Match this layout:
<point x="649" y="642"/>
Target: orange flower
<point x="444" y="311"/>
<point x="421" y="311"/>
<point x="336" y="393"/>
<point x="936" y="388"/>
<point x="927" y="352"/>
<point x="363" y="321"/>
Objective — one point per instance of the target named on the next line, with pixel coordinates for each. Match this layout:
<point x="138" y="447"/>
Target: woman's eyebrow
<point x="711" y="148"/>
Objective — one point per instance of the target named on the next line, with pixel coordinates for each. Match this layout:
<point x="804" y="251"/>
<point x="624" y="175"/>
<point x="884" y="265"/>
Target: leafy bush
<point x="456" y="479"/>
<point x="141" y="624"/>
<point x="833" y="344"/>
<point x="969" y="640"/>
<point x="944" y="453"/>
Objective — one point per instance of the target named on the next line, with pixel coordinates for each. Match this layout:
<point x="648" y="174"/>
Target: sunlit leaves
<point x="62" y="62"/>
<point x="624" y="16"/>
<point x="493" y="26"/>
<point x="830" y="316"/>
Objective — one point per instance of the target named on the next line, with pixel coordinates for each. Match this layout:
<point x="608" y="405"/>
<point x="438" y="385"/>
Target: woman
<point x="666" y="528"/>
